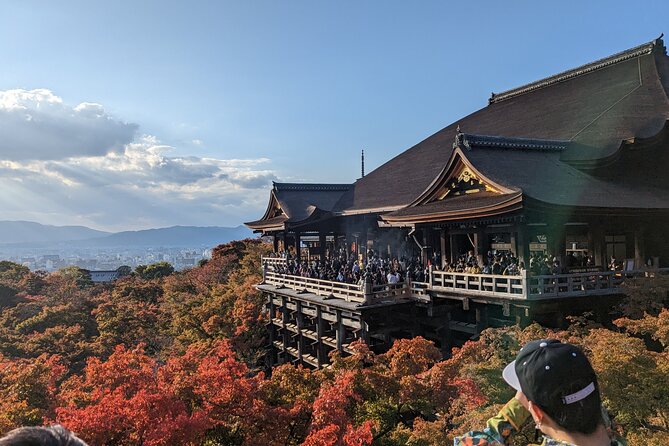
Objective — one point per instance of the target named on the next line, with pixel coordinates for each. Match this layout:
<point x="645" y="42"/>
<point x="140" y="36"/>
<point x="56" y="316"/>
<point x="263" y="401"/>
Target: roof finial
<point x="459" y="138"/>
<point x="362" y="166"/>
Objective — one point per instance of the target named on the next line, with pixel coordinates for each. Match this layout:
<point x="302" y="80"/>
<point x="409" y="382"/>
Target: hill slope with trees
<point x="176" y="358"/>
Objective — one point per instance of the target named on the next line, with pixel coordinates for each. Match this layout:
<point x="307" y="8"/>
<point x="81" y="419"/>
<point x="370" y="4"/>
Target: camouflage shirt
<point x="501" y="428"/>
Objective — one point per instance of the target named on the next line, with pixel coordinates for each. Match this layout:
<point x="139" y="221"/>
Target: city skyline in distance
<point x="49" y="248"/>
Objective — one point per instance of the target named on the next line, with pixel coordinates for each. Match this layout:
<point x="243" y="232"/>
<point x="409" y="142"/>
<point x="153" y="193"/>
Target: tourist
<point x="557" y="387"/>
<point x="55" y="435"/>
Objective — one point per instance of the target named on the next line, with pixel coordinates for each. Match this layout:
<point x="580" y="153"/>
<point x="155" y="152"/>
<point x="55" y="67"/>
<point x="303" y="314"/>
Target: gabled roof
<point x="513" y="170"/>
<point x="592" y="110"/>
<point x="292" y="203"/>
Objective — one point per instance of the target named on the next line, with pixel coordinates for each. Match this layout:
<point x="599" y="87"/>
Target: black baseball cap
<point x="545" y="370"/>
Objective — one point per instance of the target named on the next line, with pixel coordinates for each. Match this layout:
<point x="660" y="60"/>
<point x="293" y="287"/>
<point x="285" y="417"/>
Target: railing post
<point x="367" y="288"/>
<point x="525" y="283"/>
<point x="264" y="271"/>
<point x="430" y="276"/>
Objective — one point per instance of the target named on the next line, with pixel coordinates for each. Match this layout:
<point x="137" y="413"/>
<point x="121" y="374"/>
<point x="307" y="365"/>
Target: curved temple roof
<point x="592" y="109"/>
<point x="595" y="136"/>
<point x="294" y="203"/>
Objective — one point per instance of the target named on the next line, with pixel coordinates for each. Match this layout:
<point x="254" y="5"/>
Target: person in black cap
<point x="558" y="388"/>
<point x="55" y="435"/>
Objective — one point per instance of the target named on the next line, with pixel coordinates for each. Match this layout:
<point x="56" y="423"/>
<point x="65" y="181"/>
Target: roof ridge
<point x="311" y="186"/>
<point x="468" y="140"/>
<point x="646" y="48"/>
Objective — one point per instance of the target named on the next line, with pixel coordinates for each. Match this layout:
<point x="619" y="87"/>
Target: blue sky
<point x="132" y="114"/>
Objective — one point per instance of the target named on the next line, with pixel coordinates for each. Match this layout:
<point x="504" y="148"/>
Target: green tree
<point x="154" y="270"/>
<point x="124" y="270"/>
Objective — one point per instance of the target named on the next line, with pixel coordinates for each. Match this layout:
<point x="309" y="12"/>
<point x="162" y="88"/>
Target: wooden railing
<point x="347" y="291"/>
<point x="366" y="293"/>
<point x="524" y="286"/>
<point x="478" y="284"/>
<point x="578" y="284"/>
<point x="388" y="292"/>
<point x="273" y="262"/>
<point x="420" y="290"/>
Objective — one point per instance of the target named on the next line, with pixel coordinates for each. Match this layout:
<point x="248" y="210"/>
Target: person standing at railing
<point x="496" y="267"/>
<point x="511" y="270"/>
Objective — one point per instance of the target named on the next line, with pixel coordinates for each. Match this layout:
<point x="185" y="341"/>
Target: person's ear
<point x="536" y="412"/>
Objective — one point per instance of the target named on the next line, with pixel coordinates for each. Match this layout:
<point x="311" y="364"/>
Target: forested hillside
<point x="177" y="358"/>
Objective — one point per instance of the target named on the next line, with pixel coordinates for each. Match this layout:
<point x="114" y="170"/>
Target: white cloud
<point x="38" y="125"/>
<point x="120" y="183"/>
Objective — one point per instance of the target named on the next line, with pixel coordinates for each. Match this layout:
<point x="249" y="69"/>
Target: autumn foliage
<point x="177" y="358"/>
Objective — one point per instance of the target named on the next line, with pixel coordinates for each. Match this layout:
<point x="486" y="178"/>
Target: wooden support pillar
<point x="556" y="242"/>
<point x="481" y="318"/>
<point x="598" y="246"/>
<point x="321" y="242"/>
<point x="272" y="332"/>
<point x="284" y="322"/>
<point x="275" y="243"/>
<point x="639" y="249"/>
<point x="478" y="245"/>
<point x="522" y="316"/>
<point x="320" y="349"/>
<point x="522" y="243"/>
<point x="454" y="248"/>
<point x="448" y="334"/>
<point x="442" y="247"/>
<point x="299" y="316"/>
<point x="363" y="245"/>
<point x="364" y="331"/>
<point x="340" y="332"/>
<point x="297" y="247"/>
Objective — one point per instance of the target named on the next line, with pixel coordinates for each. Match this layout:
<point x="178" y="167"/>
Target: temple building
<point x="571" y="168"/>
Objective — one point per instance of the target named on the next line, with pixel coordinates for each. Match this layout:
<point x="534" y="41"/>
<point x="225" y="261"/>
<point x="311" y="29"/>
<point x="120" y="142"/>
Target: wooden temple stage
<point x="571" y="168"/>
<point x="309" y="318"/>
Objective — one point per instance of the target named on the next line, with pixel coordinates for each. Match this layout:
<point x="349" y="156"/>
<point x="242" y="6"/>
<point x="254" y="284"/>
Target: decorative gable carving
<point x="275" y="209"/>
<point x="459" y="177"/>
<point x="464" y="181"/>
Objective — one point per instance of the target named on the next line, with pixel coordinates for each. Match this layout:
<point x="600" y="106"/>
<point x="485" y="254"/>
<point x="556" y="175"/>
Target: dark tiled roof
<point x="299" y="201"/>
<point x="595" y="108"/>
<point x="528" y="169"/>
<point x="543" y="176"/>
<point x="641" y="50"/>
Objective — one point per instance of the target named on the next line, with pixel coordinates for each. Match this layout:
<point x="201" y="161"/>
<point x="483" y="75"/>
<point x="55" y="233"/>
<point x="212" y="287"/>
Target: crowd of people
<point x="498" y="263"/>
<point x="381" y="270"/>
<point x="345" y="267"/>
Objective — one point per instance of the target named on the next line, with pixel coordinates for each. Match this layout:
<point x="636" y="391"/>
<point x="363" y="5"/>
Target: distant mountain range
<point x="26" y="233"/>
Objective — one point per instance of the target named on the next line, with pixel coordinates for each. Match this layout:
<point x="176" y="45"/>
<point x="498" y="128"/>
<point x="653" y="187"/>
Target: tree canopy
<point x="176" y="358"/>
